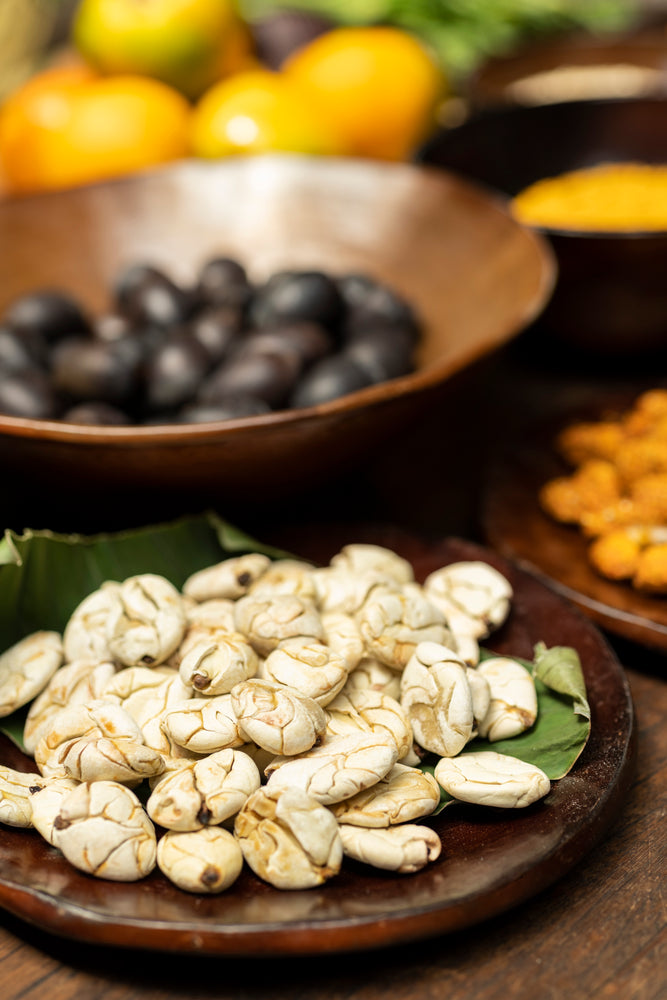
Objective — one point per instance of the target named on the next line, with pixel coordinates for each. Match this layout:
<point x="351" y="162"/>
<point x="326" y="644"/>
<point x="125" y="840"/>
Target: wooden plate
<point x="515" y="525"/>
<point x="491" y="859"/>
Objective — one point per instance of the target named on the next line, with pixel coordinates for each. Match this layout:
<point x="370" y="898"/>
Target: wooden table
<point x="600" y="932"/>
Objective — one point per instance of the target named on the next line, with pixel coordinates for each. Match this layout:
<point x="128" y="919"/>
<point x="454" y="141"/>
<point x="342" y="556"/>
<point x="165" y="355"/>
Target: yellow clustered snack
<point x="611" y="196"/>
<point x="617" y="491"/>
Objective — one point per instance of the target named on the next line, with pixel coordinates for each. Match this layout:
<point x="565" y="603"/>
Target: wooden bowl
<point x="473" y="274"/>
<point x="610" y="296"/>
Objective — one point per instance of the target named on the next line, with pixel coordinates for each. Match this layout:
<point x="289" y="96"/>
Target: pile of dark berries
<point x="221" y="349"/>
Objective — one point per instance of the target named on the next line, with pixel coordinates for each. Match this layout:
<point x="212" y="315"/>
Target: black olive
<point x="382" y="352"/>
<point x="50" y="314"/>
<point x="111" y="326"/>
<point x="229" y="408"/>
<point x="270" y="377"/>
<point x="369" y="302"/>
<point x="20" y="352"/>
<point x="95" y="370"/>
<point x="155" y="301"/>
<point x="29" y="394"/>
<point x="216" y="328"/>
<point x="174" y="371"/>
<point x="296" y="295"/>
<point x="329" y="378"/>
<point x="223" y="281"/>
<point x="96" y="413"/>
<point x="308" y="341"/>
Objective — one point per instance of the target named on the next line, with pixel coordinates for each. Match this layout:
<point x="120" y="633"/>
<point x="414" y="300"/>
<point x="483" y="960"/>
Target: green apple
<point x="181" y="42"/>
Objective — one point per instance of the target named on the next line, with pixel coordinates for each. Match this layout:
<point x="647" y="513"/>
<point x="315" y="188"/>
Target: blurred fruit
<point x="380" y="85"/>
<point x="278" y="34"/>
<point x="258" y="112"/>
<point x="188" y="44"/>
<point x="67" y="126"/>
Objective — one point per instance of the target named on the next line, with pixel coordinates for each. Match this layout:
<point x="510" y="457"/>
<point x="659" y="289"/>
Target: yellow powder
<point x="613" y="196"/>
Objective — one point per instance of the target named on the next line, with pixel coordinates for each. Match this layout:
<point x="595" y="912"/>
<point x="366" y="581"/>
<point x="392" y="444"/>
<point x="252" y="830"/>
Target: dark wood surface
<point x="599" y="932"/>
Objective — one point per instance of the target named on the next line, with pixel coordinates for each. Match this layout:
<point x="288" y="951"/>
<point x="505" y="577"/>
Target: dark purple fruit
<point x="29" y="394"/>
<point x="382" y="352"/>
<point x="95" y="370"/>
<point x="216" y="328"/>
<point x="295" y="296"/>
<point x="50" y="314"/>
<point x="277" y="35"/>
<point x="370" y="303"/>
<point x="19" y="352"/>
<point x="223" y="282"/>
<point x="230" y="408"/>
<point x="269" y="377"/>
<point x="308" y="341"/>
<point x="174" y="371"/>
<point x="154" y="301"/>
<point x="96" y="413"/>
<point x="328" y="379"/>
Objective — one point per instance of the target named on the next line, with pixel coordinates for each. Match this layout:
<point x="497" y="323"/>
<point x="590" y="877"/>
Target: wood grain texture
<point x="600" y="932"/>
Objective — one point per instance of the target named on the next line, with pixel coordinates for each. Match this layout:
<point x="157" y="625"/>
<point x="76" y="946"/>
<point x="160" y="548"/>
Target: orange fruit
<point x="184" y="43"/>
<point x="67" y="126"/>
<point x="259" y="111"/>
<point x="380" y="86"/>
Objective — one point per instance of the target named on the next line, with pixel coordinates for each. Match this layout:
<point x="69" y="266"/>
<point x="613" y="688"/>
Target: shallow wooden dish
<point x="515" y="525"/>
<point x="473" y="274"/>
<point x="491" y="860"/>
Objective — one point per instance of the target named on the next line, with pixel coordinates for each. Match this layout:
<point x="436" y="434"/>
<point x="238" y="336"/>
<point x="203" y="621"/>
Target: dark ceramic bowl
<point x="472" y="273"/>
<point x="611" y="294"/>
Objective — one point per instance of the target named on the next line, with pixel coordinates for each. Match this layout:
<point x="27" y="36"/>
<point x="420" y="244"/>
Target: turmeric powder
<point x="608" y="197"/>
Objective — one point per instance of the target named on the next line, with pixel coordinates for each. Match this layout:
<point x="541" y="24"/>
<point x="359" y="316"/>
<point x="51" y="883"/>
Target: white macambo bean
<point x="203" y="725"/>
<point x="230" y="578"/>
<point x="73" y="683"/>
<point x="146" y="693"/>
<point x="481" y="696"/>
<point x="287" y="576"/>
<point x="405" y="848"/>
<point x="27" y="667"/>
<point x="492" y="779"/>
<point x="96" y="741"/>
<point x="46" y="805"/>
<point x="146" y="620"/>
<point x="103" y="830"/>
<point x="393" y="623"/>
<point x="16" y="791"/>
<point x="372" y="712"/>
<point x="359" y="558"/>
<point x="370" y="673"/>
<point x="343" y="637"/>
<point x="267" y="619"/>
<point x="337" y="769"/>
<point x="467" y="648"/>
<point x="477" y="595"/>
<point x="436" y="696"/>
<point x="289" y="839"/>
<point x="513" y="705"/>
<point x="216" y="664"/>
<point x="203" y="792"/>
<point x="308" y="666"/>
<point x="403" y="795"/>
<point x="207" y="860"/>
<point x="216" y="613"/>
<point x="277" y="718"/>
<point x="344" y="592"/>
<point x="85" y="635"/>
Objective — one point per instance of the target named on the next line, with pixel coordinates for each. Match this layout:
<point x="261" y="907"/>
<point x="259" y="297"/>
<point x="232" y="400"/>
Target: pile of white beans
<point x="270" y="713"/>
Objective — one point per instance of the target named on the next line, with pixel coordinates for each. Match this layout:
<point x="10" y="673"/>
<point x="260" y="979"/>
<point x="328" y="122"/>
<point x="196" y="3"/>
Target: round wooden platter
<point x="491" y="859"/>
<point x="516" y="526"/>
